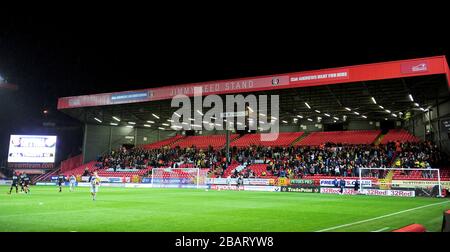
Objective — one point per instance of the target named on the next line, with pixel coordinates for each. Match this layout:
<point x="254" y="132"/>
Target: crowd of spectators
<point x="137" y="158"/>
<point x="338" y="159"/>
<point x="292" y="162"/>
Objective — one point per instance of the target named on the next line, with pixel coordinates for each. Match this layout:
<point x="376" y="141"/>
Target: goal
<point x="179" y="177"/>
<point x="406" y="182"/>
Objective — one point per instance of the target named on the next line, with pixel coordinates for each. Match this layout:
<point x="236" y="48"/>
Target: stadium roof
<point x="399" y="88"/>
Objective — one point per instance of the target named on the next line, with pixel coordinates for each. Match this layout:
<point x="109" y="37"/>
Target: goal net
<point x="406" y="182"/>
<point x="179" y="177"/>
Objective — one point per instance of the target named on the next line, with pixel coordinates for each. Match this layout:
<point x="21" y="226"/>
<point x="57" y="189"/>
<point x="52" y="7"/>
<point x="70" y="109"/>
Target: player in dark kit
<point x="342" y="185"/>
<point x="356" y="185"/>
<point x="15" y="183"/>
<point x="26" y="183"/>
<point x="22" y="180"/>
<point x="60" y="181"/>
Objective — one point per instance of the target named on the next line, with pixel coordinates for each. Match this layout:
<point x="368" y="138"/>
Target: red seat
<point x="344" y="137"/>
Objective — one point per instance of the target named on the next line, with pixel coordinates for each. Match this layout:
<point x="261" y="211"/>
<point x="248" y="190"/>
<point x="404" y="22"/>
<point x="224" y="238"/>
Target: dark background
<point x="49" y="57"/>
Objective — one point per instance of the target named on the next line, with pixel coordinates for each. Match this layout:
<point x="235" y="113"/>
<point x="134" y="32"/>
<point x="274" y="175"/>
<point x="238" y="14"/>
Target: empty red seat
<point x="399" y="135"/>
<point x="160" y="144"/>
<point x="203" y="142"/>
<point x="344" y="137"/>
<point x="284" y="139"/>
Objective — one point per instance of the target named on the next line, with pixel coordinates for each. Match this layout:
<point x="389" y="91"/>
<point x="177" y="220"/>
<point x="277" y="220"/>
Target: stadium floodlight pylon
<point x="383" y="179"/>
<point x="178" y="177"/>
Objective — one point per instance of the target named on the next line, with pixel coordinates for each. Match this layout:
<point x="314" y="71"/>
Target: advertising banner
<point x="112" y="184"/>
<point x="282" y="181"/>
<point x="173" y="180"/>
<point x="303" y="185"/>
<point x="220" y="181"/>
<point x="419" y="183"/>
<point x="32" y="168"/>
<point x="130" y="96"/>
<point x="168" y="92"/>
<point x="188" y="186"/>
<point x="136" y="185"/>
<point x="83" y="184"/>
<point x="146" y="180"/>
<point x="5" y="182"/>
<point x="263" y="188"/>
<point x="247" y="188"/>
<point x="233" y="181"/>
<point x="300" y="189"/>
<point x="398" y="193"/>
<point x="302" y="181"/>
<point x="321" y="76"/>
<point x="46" y="183"/>
<point x="256" y="181"/>
<point x="109" y="179"/>
<point x="348" y="182"/>
<point x="414" y="67"/>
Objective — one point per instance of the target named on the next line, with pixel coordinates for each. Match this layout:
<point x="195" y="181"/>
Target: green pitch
<point x="120" y="209"/>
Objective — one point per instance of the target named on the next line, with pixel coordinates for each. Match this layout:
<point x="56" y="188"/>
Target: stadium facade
<point x="411" y="94"/>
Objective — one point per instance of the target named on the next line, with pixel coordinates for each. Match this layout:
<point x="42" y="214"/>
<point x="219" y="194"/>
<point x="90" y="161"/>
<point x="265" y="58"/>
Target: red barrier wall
<point x="412" y="228"/>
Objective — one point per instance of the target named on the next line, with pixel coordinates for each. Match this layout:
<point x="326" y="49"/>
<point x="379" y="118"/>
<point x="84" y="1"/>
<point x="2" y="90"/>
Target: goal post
<point x="423" y="181"/>
<point x="178" y="177"/>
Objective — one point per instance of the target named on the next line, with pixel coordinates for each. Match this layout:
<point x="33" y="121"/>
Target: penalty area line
<point x="383" y="216"/>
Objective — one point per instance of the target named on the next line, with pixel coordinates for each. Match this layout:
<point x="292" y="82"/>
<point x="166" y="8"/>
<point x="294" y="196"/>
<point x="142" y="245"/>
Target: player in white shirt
<point x="72" y="182"/>
<point x="229" y="182"/>
<point x="240" y="182"/>
<point x="95" y="183"/>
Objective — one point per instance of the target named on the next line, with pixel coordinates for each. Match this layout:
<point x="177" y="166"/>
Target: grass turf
<point x="147" y="209"/>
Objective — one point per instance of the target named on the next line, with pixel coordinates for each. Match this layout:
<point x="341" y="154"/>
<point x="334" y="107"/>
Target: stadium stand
<point x="319" y="159"/>
<point x="343" y="137"/>
<point x="162" y="143"/>
<point x="259" y="169"/>
<point x="421" y="175"/>
<point x="230" y="169"/>
<point x="71" y="163"/>
<point x="284" y="139"/>
<point x="187" y="165"/>
<point x="399" y="135"/>
<point x="45" y="177"/>
<point x="203" y="142"/>
<point x="78" y="171"/>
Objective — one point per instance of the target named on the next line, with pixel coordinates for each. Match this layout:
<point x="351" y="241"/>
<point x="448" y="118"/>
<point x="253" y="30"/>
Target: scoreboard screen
<point x="32" y="149"/>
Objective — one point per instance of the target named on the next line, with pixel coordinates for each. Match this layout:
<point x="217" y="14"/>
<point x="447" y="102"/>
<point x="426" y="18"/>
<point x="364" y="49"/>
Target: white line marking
<point x="383" y="216"/>
<point x="379" y="230"/>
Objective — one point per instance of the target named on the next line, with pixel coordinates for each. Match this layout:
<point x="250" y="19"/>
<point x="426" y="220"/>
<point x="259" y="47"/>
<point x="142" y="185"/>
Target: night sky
<point x="59" y="56"/>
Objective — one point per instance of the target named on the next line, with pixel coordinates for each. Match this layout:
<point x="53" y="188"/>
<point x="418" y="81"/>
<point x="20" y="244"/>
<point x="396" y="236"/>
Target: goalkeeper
<point x="95" y="183"/>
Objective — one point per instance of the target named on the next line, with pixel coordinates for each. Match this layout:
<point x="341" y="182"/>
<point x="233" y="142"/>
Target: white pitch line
<point x="379" y="230"/>
<point x="383" y="216"/>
